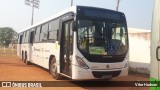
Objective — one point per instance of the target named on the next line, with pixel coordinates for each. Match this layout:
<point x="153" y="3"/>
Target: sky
<point x="15" y="14"/>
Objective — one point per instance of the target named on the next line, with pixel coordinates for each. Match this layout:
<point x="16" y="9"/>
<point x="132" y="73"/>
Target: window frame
<point x="37" y="38"/>
<point x="51" y="28"/>
<point x="42" y="31"/>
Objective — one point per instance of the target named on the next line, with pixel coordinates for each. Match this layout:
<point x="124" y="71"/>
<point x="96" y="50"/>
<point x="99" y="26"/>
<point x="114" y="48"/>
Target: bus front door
<point x="66" y="48"/>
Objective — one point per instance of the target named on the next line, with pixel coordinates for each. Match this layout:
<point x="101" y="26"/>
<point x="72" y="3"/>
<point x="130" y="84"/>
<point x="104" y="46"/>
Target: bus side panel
<point x="155" y="40"/>
<point x="25" y="48"/>
<point x="42" y="51"/>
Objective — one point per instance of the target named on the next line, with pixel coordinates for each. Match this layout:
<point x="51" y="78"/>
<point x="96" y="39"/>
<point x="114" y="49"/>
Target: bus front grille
<point x="99" y="74"/>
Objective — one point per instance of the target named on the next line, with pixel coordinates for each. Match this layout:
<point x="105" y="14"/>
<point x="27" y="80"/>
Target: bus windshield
<point x="102" y="37"/>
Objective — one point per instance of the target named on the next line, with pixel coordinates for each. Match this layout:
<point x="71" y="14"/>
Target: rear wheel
<point x="25" y="57"/>
<point x="53" y="69"/>
<point x="26" y="61"/>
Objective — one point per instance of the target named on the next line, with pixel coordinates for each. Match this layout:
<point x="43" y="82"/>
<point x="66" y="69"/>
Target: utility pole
<point x="117" y="7"/>
<point x="71" y="2"/>
<point x="33" y="4"/>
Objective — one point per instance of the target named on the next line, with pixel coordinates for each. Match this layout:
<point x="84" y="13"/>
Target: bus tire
<point x="25" y="57"/>
<point x="53" y="69"/>
<point x="27" y="62"/>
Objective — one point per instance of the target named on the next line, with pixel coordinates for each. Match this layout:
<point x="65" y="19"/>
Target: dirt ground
<point x="13" y="69"/>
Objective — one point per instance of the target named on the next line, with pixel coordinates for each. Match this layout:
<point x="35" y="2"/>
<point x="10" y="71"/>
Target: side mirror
<point x="158" y="53"/>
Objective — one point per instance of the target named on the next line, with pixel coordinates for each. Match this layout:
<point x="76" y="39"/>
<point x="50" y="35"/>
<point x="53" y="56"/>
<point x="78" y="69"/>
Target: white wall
<point x="139" y="41"/>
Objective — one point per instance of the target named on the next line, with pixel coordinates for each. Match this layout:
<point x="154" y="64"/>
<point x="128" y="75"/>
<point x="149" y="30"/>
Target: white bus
<point x="79" y="43"/>
<point x="155" y="45"/>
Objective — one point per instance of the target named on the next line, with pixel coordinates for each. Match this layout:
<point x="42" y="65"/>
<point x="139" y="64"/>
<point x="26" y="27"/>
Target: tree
<point x="6" y="35"/>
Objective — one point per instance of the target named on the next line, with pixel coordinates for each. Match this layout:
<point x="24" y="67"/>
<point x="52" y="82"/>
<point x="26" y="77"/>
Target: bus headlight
<point x="126" y="65"/>
<point x="81" y="63"/>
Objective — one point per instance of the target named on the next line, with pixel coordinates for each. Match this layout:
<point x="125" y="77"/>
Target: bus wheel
<point x="53" y="69"/>
<point x="25" y="57"/>
<point x="22" y="56"/>
<point x="26" y="61"/>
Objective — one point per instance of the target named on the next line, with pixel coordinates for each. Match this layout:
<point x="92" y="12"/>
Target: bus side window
<point x="53" y="30"/>
<point x="53" y="35"/>
<point x="23" y="39"/>
<point x="26" y="37"/>
<point x="20" y="42"/>
<point x="37" y="34"/>
<point x="44" y="32"/>
<point x="32" y="36"/>
<point x="20" y="38"/>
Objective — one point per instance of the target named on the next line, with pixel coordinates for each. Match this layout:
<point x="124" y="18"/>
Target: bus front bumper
<point x="81" y="73"/>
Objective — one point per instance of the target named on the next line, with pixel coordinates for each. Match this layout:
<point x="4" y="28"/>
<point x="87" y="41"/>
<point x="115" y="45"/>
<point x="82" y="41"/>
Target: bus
<point x="155" y="45"/>
<point x="80" y="42"/>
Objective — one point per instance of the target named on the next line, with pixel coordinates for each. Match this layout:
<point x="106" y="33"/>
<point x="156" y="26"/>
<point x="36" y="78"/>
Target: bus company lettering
<point x="47" y="50"/>
<point x="35" y="49"/>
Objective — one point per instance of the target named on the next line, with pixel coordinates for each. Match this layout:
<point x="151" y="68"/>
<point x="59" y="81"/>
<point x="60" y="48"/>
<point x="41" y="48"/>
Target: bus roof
<point x="72" y="9"/>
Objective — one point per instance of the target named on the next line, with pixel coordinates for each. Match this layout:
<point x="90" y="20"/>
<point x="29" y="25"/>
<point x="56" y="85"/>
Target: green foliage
<point x="6" y="35"/>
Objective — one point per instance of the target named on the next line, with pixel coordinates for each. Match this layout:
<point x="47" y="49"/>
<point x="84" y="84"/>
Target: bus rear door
<point x="66" y="48"/>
